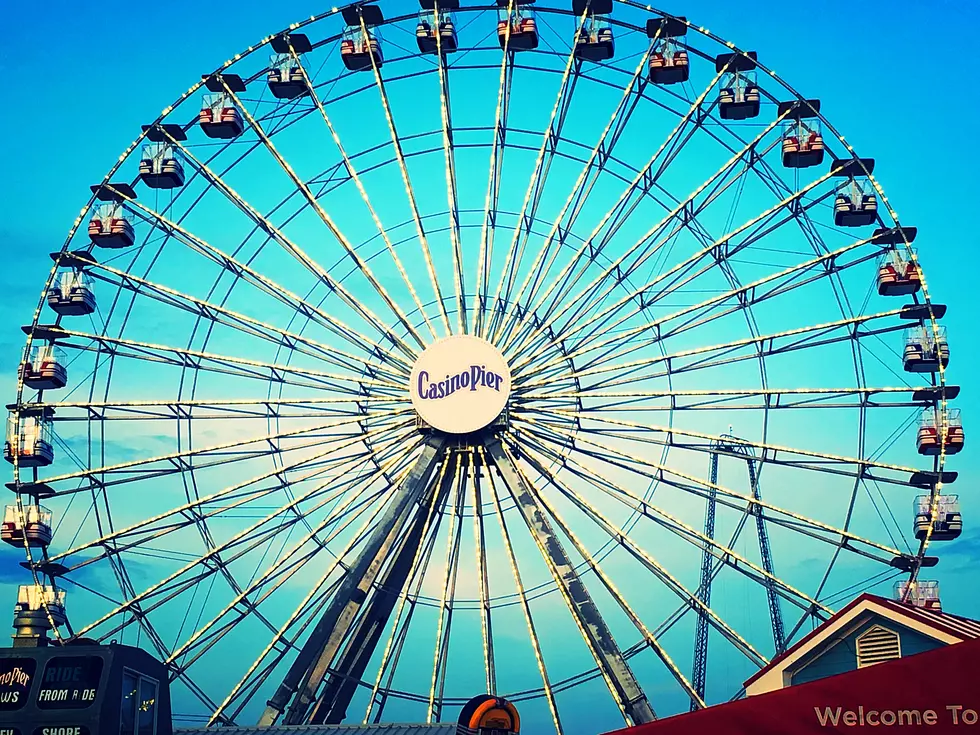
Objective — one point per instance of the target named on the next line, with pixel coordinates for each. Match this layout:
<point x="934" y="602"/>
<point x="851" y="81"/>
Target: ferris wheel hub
<point x="460" y="384"/>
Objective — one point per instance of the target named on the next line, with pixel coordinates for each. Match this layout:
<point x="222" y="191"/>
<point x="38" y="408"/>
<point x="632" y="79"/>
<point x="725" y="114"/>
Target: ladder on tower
<point x="731" y="445"/>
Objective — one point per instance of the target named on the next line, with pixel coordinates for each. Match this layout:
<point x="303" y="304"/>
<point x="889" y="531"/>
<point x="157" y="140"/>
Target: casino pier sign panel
<point x="460" y="384"/>
<point x="16" y="677"/>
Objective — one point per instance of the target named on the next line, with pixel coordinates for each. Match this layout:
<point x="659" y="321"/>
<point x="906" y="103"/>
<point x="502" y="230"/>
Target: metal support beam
<point x="775" y="613"/>
<point x="729" y="444"/>
<point x="331" y="706"/>
<point x="310" y="666"/>
<point x="616" y="671"/>
<point x="699" y="674"/>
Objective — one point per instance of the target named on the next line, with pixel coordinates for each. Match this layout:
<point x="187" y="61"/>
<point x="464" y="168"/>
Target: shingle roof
<point x="963" y="628"/>
<point x="382" y="729"/>
<point x="952" y="625"/>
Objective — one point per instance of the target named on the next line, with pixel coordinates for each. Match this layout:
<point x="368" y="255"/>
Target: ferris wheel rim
<point x="941" y="378"/>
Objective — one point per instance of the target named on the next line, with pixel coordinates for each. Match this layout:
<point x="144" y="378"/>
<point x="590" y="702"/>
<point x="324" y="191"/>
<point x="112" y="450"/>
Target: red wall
<point x="936" y="692"/>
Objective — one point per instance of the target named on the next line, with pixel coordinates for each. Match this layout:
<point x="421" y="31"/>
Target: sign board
<point x="69" y="682"/>
<point x="934" y="692"/>
<point x="460" y="384"/>
<point x="82" y="690"/>
<point x="17" y="674"/>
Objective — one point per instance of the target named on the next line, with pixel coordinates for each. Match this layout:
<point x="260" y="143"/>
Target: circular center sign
<point x="460" y="384"/>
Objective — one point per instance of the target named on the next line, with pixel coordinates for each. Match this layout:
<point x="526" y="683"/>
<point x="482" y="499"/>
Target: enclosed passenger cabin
<point x="111" y="226"/>
<point x="921" y="593"/>
<point x="33" y="526"/>
<point x="926" y="349"/>
<point x="802" y="142"/>
<point x="219" y="117"/>
<point x="357" y="49"/>
<point x="29" y="438"/>
<point x="161" y="166"/>
<point x="948" y="523"/>
<point x="285" y="78"/>
<point x="360" y="46"/>
<point x="436" y="31"/>
<point x="855" y="203"/>
<point x="898" y="274"/>
<point x="669" y="63"/>
<point x="41" y="598"/>
<point x="940" y="430"/>
<point x="738" y="97"/>
<point x="518" y="29"/>
<point x="46" y="369"/>
<point x="71" y="294"/>
<point x="594" y="40"/>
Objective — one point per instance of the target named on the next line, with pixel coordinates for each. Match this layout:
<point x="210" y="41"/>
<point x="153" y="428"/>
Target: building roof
<point x="908" y="687"/>
<point x="441" y="728"/>
<point x="941" y="626"/>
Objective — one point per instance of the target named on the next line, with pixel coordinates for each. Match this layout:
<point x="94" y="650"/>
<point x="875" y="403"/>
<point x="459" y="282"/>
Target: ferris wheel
<point x="561" y="353"/>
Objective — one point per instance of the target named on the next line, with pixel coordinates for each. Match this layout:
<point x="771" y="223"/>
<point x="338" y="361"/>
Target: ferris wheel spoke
<point x="409" y="189"/>
<point x="593" y="564"/>
<point x="620" y="537"/>
<point x="234" y="496"/>
<point x="522" y="596"/>
<point x="352" y="172"/>
<point x="268" y="286"/>
<point x="722" y="553"/>
<point x="275" y="578"/>
<point x="775" y="399"/>
<point x="719" y="251"/>
<point x="211" y="562"/>
<point x="626" y="693"/>
<point x="415" y="578"/>
<point x="179" y="461"/>
<point x="710" y="309"/>
<point x="488" y="225"/>
<point x="314" y="595"/>
<point x="299" y="687"/>
<point x="642" y="182"/>
<point x="535" y="189"/>
<point x="769" y="453"/>
<point x="591" y="171"/>
<point x="452" y="194"/>
<point x="218" y="314"/>
<point x="774" y="514"/>
<point x="263" y="223"/>
<point x="709" y="356"/>
<point x="314" y="203"/>
<point x="617" y="271"/>
<point x="445" y="611"/>
<point x="219" y="408"/>
<point x="211" y="362"/>
<point x="480" y="553"/>
<point x="340" y="518"/>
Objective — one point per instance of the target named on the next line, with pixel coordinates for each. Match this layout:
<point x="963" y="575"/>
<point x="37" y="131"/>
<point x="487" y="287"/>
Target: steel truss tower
<point x="731" y="446"/>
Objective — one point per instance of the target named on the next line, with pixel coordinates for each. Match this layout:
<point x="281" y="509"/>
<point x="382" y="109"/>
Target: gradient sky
<point x="79" y="82"/>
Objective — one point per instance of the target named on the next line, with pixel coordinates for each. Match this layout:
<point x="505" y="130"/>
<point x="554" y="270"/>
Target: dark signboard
<point x="83" y="689"/>
<point x="69" y="682"/>
<point x="16" y="678"/>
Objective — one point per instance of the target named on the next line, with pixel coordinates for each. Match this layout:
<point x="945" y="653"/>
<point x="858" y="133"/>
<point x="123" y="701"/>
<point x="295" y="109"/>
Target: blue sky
<point x="77" y="98"/>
